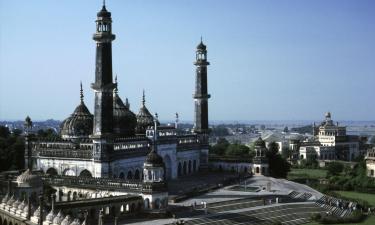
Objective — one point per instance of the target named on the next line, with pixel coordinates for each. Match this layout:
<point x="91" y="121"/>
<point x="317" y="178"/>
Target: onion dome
<point x="58" y="218"/>
<point x="79" y="124"/>
<point x="67" y="220"/>
<point x="103" y="12"/>
<point x="124" y="120"/>
<point x="29" y="179"/>
<point x="75" y="222"/>
<point x="37" y="212"/>
<point x="144" y="118"/>
<point x="5" y="199"/>
<point x="201" y="46"/>
<point x="154" y="159"/>
<point x="50" y="216"/>
<point x="260" y="143"/>
<point x="22" y="205"/>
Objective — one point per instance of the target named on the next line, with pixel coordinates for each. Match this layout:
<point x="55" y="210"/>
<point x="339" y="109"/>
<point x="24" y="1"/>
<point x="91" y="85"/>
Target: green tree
<point x="11" y="150"/>
<point x="4" y="132"/>
<point x="278" y="166"/>
<point x="237" y="150"/>
<point x="220" y="147"/>
<point x="334" y="168"/>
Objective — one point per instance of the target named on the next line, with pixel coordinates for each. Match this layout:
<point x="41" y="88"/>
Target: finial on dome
<point x="116" y="89"/>
<point x="201" y="39"/>
<point x="127" y="103"/>
<point x="81" y="92"/>
<point x="104" y="3"/>
<point x="143" y="98"/>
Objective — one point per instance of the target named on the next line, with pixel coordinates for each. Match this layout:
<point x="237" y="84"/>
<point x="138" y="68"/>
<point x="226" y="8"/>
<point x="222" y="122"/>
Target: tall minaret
<point x="103" y="86"/>
<point x="201" y="96"/>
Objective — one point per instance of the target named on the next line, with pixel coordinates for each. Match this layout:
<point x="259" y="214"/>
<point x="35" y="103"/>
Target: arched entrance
<point x="179" y="169"/>
<point x="147" y="203"/>
<point x="168" y="167"/>
<point x="137" y="175"/>
<point x="130" y="175"/>
<point x="51" y="171"/>
<point x="69" y="172"/>
<point x="85" y="173"/>
<point x="185" y="168"/>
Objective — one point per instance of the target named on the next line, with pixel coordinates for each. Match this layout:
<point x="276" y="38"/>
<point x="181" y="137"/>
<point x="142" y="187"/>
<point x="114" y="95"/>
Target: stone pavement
<point x="237" y="205"/>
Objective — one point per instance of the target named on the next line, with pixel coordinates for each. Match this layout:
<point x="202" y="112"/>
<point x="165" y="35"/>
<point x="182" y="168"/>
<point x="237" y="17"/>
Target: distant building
<point x="331" y="143"/>
<point x="370" y="162"/>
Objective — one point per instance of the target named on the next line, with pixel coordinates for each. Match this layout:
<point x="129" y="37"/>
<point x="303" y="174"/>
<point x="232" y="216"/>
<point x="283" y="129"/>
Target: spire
<point x="104" y="3"/>
<point x="115" y="90"/>
<point x="81" y="92"/>
<point x="176" y="123"/>
<point x="155" y="129"/>
<point x="127" y="103"/>
<point x="143" y="98"/>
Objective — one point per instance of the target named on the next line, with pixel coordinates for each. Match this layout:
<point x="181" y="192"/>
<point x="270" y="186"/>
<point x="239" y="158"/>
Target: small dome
<point x="75" y="222"/>
<point x="260" y="143"/>
<point x="201" y="46"/>
<point x="26" y="208"/>
<point x="16" y="204"/>
<point x="22" y="205"/>
<point x="27" y="178"/>
<point x="144" y="118"/>
<point x="5" y="199"/>
<point x="58" y="218"/>
<point x="103" y="12"/>
<point x="67" y="220"/>
<point x="79" y="124"/>
<point x="154" y="158"/>
<point x="50" y="216"/>
<point x="37" y="212"/>
<point x="11" y="200"/>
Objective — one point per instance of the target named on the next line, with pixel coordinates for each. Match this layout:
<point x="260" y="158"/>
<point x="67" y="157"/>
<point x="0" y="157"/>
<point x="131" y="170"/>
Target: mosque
<point x="113" y="142"/>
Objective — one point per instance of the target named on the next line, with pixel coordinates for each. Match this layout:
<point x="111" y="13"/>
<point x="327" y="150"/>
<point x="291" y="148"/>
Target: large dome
<point x="124" y="120"/>
<point x="79" y="124"/>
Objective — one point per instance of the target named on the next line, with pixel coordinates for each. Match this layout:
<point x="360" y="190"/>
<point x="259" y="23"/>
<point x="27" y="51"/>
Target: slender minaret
<point x="28" y="125"/>
<point x="103" y="86"/>
<point x="201" y="96"/>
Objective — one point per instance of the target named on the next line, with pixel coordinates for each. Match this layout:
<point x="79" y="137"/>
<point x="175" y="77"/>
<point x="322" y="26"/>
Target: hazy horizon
<point x="270" y="60"/>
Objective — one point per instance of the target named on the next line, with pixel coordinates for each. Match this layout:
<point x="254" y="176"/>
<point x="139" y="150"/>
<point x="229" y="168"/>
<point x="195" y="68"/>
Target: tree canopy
<point x="278" y="166"/>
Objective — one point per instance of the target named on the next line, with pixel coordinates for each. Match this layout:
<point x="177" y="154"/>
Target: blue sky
<point x="270" y="60"/>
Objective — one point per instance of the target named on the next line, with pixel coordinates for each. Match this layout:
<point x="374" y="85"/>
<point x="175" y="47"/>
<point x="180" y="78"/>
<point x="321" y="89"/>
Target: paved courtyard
<point x="226" y="206"/>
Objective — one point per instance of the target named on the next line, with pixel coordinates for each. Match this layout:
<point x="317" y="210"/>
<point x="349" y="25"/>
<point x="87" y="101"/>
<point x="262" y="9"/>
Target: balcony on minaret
<point x="104" y="27"/>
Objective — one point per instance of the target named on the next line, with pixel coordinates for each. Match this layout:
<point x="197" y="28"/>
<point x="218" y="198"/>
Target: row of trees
<point x="12" y="147"/>
<point x="278" y="165"/>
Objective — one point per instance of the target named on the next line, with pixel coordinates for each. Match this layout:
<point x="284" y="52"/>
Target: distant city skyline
<point x="270" y="60"/>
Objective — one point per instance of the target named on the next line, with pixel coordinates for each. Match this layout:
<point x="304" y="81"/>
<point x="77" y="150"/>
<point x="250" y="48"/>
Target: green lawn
<point x="369" y="221"/>
<point x="307" y="173"/>
<point x="370" y="198"/>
